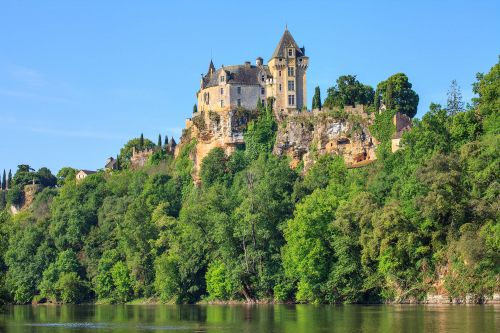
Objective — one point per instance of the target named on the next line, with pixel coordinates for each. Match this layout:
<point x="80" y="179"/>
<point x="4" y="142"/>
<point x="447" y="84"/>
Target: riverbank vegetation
<point x="422" y="220"/>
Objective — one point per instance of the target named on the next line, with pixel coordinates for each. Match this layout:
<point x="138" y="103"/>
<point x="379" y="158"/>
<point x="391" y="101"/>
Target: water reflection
<point x="249" y="318"/>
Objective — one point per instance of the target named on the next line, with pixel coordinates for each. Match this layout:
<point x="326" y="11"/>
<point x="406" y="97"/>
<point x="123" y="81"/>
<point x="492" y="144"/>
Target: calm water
<point x="241" y="318"/>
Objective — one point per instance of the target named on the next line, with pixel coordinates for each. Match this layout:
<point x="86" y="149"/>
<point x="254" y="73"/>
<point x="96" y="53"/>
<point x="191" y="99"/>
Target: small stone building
<point x="82" y="174"/>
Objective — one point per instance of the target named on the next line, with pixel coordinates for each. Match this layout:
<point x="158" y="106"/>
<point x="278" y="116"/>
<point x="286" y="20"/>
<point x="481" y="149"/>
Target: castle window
<point x="262" y="91"/>
<point x="290" y="52"/>
<point x="222" y="78"/>
<point x="291" y="100"/>
<point x="291" y="85"/>
<point x="279" y="73"/>
<point x="221" y="103"/>
<point x="239" y="102"/>
<point x="238" y="89"/>
<point x="263" y="78"/>
<point x="280" y="86"/>
<point x="290" y="71"/>
<point x="222" y="91"/>
<point x="263" y="102"/>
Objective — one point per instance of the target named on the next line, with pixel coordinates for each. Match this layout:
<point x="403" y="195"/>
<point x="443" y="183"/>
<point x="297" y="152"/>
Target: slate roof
<point x="287" y="41"/>
<point x="237" y="74"/>
<point x="88" y="172"/>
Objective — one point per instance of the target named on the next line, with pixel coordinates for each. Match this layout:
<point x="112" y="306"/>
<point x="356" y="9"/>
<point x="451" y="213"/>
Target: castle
<point x="282" y="80"/>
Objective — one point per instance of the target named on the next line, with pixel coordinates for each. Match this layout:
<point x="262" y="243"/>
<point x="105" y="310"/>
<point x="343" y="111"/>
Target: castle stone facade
<point x="283" y="80"/>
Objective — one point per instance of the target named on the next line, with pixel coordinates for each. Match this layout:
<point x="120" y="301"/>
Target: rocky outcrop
<point x="215" y="130"/>
<point x="305" y="136"/>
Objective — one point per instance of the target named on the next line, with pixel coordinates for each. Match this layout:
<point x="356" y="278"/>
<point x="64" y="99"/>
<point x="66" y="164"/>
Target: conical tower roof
<point x="285" y="42"/>
<point x="211" y="68"/>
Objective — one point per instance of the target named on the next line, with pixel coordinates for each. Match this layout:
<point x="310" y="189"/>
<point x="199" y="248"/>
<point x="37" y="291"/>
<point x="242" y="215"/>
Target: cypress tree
<point x="4" y="180"/>
<point x="316" y="102"/>
<point x="159" y="141"/>
<point x="9" y="180"/>
<point x="141" y="142"/>
<point x="195" y="108"/>
<point x="117" y="166"/>
<point x="165" y="142"/>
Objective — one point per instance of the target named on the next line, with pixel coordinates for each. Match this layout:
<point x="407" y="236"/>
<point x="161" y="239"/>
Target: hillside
<point x="279" y="212"/>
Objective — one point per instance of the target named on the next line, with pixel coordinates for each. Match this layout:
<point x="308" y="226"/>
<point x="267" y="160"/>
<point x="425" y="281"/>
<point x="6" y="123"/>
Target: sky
<point x="78" y="79"/>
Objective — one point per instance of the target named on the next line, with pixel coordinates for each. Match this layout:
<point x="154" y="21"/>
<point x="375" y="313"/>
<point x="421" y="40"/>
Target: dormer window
<point x="290" y="52"/>
<point x="222" y="78"/>
<point x="263" y="78"/>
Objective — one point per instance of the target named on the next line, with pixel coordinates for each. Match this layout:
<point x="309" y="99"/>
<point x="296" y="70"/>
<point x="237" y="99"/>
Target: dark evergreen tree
<point x="195" y="108"/>
<point x="454" y="103"/>
<point x="165" y="141"/>
<point x="4" y="180"/>
<point x="117" y="166"/>
<point x="141" y="142"/>
<point x="316" y="102"/>
<point x="159" y="141"/>
<point x="9" y="180"/>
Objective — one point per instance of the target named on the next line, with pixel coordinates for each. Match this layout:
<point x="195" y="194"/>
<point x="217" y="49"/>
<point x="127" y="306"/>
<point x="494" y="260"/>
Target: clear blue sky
<point x="80" y="78"/>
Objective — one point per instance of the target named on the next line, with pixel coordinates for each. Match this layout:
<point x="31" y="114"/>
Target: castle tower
<point x="288" y="66"/>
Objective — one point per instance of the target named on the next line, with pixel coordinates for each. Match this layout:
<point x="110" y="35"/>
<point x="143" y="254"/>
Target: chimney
<point x="258" y="61"/>
<point x="247" y="64"/>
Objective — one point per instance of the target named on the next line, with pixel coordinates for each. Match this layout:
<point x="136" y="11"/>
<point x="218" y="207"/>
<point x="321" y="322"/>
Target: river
<point x="251" y="318"/>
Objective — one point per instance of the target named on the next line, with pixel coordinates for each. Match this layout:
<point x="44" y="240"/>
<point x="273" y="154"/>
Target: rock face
<point x="215" y="130"/>
<point x="303" y="136"/>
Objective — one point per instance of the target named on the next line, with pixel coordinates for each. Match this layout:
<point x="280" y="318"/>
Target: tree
<point x="141" y="142"/>
<point x="348" y="91"/>
<point x="9" y="180"/>
<point x="24" y="175"/>
<point x="396" y="94"/>
<point x="4" y="180"/>
<point x="159" y="141"/>
<point x="46" y="178"/>
<point x="165" y="142"/>
<point x="454" y="102"/>
<point x="316" y="101"/>
<point x="121" y="281"/>
<point x="213" y="167"/>
<point x="66" y="174"/>
<point x="195" y="108"/>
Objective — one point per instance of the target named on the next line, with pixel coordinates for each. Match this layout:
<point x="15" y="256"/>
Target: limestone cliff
<point x="215" y="130"/>
<point x="305" y="136"/>
<point x="302" y="136"/>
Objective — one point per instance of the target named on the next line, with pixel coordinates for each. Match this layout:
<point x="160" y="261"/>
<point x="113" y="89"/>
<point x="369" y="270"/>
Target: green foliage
<point x="121" y="281"/>
<point x="219" y="282"/>
<point x="348" y="92"/>
<point x="261" y="132"/>
<point x="213" y="167"/>
<point x="316" y="101"/>
<point x="396" y="94"/>
<point x="62" y="281"/>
